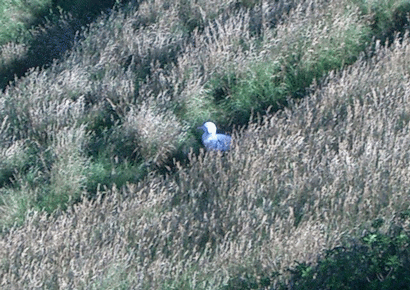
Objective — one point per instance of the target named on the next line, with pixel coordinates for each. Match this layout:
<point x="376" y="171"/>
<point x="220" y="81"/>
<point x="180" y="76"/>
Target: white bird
<point x="213" y="141"/>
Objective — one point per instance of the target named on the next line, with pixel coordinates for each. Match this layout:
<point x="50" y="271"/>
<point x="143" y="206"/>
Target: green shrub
<point x="377" y="261"/>
<point x="388" y="17"/>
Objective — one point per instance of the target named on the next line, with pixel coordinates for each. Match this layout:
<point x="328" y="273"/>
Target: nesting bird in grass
<point x="213" y="141"/>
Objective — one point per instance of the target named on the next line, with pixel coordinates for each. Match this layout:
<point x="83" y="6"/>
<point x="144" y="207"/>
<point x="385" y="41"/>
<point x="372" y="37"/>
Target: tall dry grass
<point x="131" y="73"/>
<point x="294" y="184"/>
<point x="124" y="104"/>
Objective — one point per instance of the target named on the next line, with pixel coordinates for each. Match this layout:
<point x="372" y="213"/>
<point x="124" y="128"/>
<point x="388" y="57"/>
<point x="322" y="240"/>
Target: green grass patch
<point x="15" y="203"/>
<point x="104" y="173"/>
<point x="17" y="16"/>
<point x="387" y="16"/>
<point x="260" y="88"/>
<point x="290" y="69"/>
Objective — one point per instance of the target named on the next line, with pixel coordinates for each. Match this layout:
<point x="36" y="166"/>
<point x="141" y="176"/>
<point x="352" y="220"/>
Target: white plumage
<point x="213" y="141"/>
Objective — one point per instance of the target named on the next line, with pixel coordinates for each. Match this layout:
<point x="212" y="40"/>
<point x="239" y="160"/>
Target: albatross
<point x="213" y="141"/>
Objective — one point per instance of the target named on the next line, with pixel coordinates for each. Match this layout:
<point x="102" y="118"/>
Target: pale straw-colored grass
<point x="295" y="183"/>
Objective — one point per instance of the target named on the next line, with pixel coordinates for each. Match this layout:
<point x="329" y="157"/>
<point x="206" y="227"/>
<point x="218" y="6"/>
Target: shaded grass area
<point x="17" y="16"/>
<point x="36" y="33"/>
<point x="376" y="261"/>
<point x="384" y="12"/>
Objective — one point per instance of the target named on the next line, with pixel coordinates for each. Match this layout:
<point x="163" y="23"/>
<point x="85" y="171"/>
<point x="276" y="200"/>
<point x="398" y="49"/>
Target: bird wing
<point x="223" y="142"/>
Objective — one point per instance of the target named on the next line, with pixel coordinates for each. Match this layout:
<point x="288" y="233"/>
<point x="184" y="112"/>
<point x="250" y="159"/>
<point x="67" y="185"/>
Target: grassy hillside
<point x="104" y="184"/>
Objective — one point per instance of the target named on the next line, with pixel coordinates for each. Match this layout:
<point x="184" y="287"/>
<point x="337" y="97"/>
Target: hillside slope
<point x="104" y="180"/>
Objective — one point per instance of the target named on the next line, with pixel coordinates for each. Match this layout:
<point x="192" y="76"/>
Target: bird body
<point x="212" y="140"/>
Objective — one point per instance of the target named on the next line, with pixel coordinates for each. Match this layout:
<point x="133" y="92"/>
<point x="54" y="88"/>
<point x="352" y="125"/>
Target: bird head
<point x="208" y="127"/>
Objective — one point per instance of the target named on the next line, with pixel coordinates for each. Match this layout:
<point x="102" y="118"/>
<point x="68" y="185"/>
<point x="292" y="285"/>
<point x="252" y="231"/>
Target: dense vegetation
<point x="103" y="181"/>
